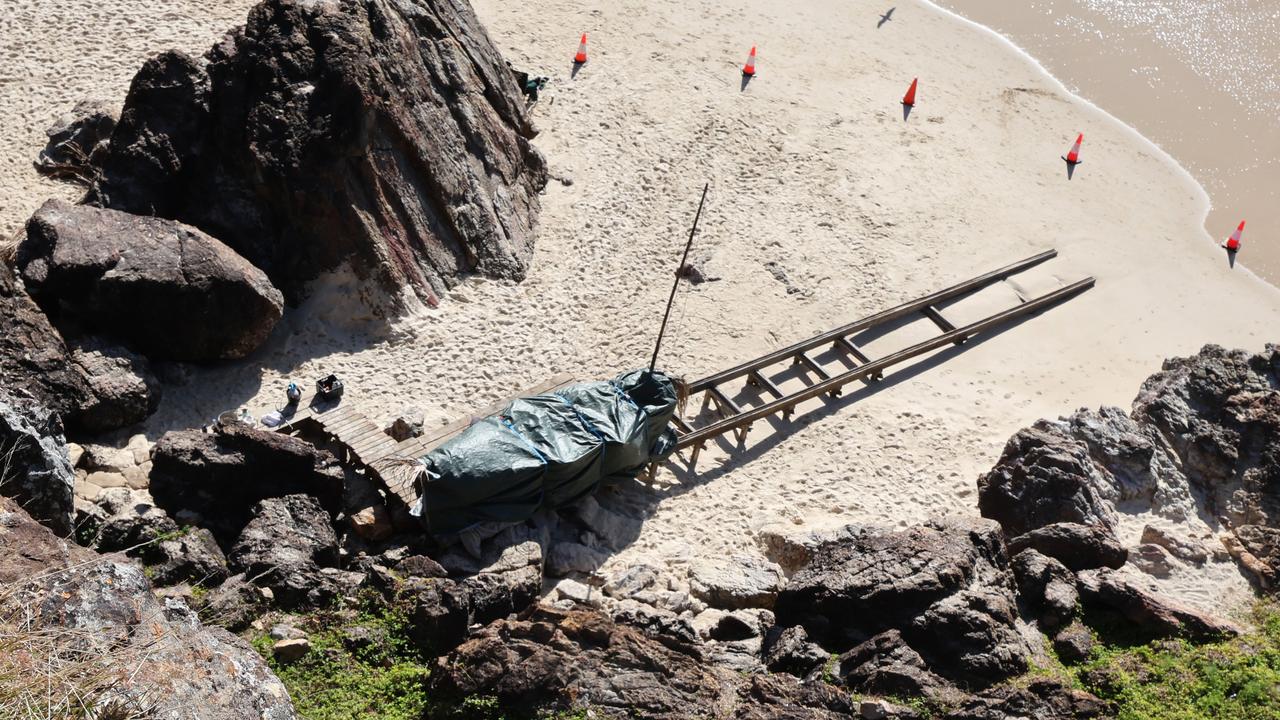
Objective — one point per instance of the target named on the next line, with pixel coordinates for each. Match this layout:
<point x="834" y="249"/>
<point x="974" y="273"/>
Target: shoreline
<point x="1162" y="73"/>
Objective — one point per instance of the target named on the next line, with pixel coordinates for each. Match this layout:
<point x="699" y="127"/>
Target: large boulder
<point x="284" y="547"/>
<point x="35" y="364"/>
<point x="1201" y="447"/>
<point x="1079" y="547"/>
<point x="163" y="287"/>
<point x="945" y="586"/>
<point x="1044" y="476"/>
<point x="736" y="581"/>
<point x="388" y="133"/>
<point x="34" y="467"/>
<point x="218" y="475"/>
<point x="155" y="659"/>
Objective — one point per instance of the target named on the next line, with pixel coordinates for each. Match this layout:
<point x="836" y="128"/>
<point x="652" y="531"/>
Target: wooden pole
<point x="676" y="285"/>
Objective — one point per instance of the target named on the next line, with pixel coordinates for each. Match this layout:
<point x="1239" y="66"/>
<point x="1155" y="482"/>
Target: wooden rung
<point x="681" y="424"/>
<point x="761" y="381"/>
<point x="933" y="314"/>
<point x="822" y="374"/>
<point x="724" y="402"/>
<point x="847" y="345"/>
<point x="857" y="354"/>
<point x="809" y="363"/>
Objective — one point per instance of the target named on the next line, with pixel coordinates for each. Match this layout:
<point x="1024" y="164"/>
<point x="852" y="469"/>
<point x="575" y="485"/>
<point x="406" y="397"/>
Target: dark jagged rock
<point x="34" y="362"/>
<point x="166" y="661"/>
<point x="782" y="697"/>
<point x="1042" y="699"/>
<point x="946" y="586"/>
<point x="130" y="519"/>
<point x="1111" y="601"/>
<point x="193" y="557"/>
<point x="886" y="665"/>
<point x="219" y="475"/>
<point x="788" y="650"/>
<point x="1047" y="586"/>
<point x="122" y="388"/>
<point x="385" y="132"/>
<point x="1074" y="643"/>
<point x="439" y="613"/>
<point x="548" y="660"/>
<point x="34" y="468"/>
<point x="165" y="288"/>
<point x="1044" y="476"/>
<point x="285" y="546"/>
<point x="78" y="142"/>
<point x="1079" y="547"/>
<point x="234" y="604"/>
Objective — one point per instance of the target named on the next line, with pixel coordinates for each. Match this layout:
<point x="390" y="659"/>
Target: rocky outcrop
<point x="945" y="586"/>
<point x="78" y="142"/>
<point x="164" y="288"/>
<point x="1202" y="446"/>
<point x="1219" y="413"/>
<point x="122" y="388"/>
<point x="217" y="476"/>
<point x="388" y="133"/>
<point x="1114" y="602"/>
<point x="1042" y="699"/>
<point x="34" y="467"/>
<point x="150" y="655"/>
<point x="575" y="660"/>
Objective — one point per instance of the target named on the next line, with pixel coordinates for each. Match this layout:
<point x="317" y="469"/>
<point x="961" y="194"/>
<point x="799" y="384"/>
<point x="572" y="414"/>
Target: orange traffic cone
<point x="910" y="98"/>
<point x="581" y="57"/>
<point x="1233" y="243"/>
<point x="750" y="68"/>
<point x="1073" y="157"/>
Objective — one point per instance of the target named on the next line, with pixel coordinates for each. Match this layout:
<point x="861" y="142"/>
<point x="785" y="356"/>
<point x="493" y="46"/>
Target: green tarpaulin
<point x="547" y="451"/>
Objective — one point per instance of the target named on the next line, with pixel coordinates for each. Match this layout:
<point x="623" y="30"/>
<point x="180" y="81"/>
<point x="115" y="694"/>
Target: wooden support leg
<point x="693" y="457"/>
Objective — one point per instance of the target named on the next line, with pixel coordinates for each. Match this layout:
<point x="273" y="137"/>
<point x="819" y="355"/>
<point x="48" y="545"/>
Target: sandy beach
<point x="825" y="205"/>
<point x="1202" y="80"/>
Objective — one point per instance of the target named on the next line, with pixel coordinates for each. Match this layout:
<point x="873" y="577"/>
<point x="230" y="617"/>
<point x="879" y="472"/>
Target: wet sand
<point x="1200" y="79"/>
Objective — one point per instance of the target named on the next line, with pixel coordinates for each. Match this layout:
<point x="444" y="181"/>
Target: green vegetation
<point x="1175" y="680"/>
<point x="361" y="665"/>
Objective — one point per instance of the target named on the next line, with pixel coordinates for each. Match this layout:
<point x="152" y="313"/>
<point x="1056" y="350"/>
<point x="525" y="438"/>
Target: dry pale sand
<point x="813" y="170"/>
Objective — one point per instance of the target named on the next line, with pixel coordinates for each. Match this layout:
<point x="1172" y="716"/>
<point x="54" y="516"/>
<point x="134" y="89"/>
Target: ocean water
<point x="1200" y="78"/>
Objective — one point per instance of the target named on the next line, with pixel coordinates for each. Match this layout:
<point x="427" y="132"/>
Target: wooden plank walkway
<point x="391" y="462"/>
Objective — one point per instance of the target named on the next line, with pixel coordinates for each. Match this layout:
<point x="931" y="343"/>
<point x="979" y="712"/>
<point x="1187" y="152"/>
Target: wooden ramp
<point x="364" y="442"/>
<point x="750" y="392"/>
